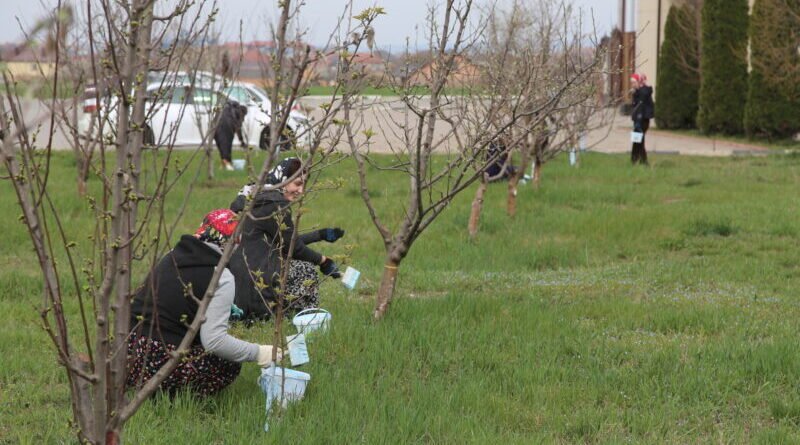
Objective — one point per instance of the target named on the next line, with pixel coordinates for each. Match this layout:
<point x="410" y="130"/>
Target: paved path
<point x="614" y="138"/>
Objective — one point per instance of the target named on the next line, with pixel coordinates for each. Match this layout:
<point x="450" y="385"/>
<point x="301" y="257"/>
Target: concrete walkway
<point x="615" y="138"/>
<point x="612" y="138"/>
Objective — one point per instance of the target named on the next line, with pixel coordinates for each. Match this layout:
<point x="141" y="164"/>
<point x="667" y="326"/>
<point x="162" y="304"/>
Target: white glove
<point x="265" y="355"/>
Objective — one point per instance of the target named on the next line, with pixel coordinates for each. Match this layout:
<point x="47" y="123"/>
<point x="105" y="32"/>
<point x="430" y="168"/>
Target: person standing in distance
<point x="229" y="125"/>
<point x="643" y="111"/>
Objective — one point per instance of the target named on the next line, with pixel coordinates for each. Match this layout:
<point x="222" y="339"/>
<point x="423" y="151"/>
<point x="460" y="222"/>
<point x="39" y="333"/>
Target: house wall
<point x="28" y="70"/>
<point x="648" y="39"/>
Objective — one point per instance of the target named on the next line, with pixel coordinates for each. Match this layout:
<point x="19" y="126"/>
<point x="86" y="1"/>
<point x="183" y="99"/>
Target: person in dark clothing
<point x="265" y="245"/>
<point x="501" y="167"/>
<point x="230" y="124"/>
<point x="167" y="303"/>
<point x="643" y="111"/>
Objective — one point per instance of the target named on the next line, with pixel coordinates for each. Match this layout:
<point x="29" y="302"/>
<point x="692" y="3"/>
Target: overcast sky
<point x="319" y="16"/>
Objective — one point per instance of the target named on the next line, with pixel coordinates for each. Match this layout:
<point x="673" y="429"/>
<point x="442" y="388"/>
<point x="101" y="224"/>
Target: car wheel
<point x="286" y="143"/>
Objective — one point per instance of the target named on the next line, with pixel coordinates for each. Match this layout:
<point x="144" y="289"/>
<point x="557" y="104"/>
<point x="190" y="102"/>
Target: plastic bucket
<point x="238" y="164"/>
<point x="637" y="137"/>
<point x="310" y="320"/>
<point x="282" y="385"/>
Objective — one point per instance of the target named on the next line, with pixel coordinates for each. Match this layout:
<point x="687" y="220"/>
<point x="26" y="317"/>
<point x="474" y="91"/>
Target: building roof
<point x="10" y="52"/>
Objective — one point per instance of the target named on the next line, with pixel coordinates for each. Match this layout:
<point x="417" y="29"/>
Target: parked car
<point x="257" y="102"/>
<point x="180" y="112"/>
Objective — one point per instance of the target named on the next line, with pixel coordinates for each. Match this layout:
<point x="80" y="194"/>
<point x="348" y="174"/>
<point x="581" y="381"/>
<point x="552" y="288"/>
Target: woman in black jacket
<point x="265" y="245"/>
<point x="168" y="300"/>
<point x="643" y="111"/>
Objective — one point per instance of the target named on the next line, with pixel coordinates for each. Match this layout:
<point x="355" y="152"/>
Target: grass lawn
<point x="621" y="305"/>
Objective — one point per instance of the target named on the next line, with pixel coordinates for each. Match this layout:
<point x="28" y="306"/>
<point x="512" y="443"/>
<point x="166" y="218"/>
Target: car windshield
<point x="258" y="91"/>
<point x="168" y="94"/>
<point x="241" y="94"/>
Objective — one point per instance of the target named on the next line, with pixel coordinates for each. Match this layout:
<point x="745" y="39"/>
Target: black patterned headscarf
<point x="284" y="170"/>
<point x="280" y="173"/>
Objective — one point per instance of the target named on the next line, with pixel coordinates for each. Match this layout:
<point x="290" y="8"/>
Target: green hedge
<point x="678" y="72"/>
<point x="723" y="90"/>
<point x="772" y="108"/>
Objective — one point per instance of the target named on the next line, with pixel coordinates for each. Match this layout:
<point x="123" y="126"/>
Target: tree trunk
<point x="386" y="289"/>
<point x="477" y="207"/>
<point x="81" y="186"/>
<point x="210" y="158"/>
<point x="513" y="181"/>
<point x="511" y="202"/>
<point x="537" y="174"/>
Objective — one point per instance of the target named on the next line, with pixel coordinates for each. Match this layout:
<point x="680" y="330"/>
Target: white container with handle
<point x="310" y="320"/>
<point x="282" y="385"/>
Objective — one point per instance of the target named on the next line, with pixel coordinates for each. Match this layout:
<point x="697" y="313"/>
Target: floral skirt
<point x="302" y="286"/>
<point x="199" y="372"/>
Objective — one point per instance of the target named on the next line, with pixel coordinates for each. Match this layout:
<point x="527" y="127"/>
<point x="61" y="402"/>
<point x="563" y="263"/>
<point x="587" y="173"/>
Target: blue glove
<point x="328" y="267"/>
<point x="331" y="234"/>
<point x="236" y="312"/>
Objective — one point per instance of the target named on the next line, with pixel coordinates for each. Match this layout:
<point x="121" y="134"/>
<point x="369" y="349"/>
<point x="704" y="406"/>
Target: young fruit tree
<point x="288" y="73"/>
<point x="97" y="270"/>
<point x="546" y="43"/>
<point x="449" y="115"/>
<point x="131" y="181"/>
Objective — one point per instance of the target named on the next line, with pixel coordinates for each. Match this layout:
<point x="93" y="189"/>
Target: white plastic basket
<point x="282" y="385"/>
<point x="310" y="320"/>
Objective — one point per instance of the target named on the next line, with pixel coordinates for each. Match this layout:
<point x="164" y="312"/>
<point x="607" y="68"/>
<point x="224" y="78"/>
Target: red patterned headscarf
<point x="217" y="227"/>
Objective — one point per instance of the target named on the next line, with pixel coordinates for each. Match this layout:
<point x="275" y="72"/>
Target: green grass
<point x="621" y="305"/>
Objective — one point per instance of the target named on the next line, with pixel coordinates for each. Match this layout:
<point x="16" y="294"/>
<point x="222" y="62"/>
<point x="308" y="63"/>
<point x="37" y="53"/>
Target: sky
<point x="404" y="18"/>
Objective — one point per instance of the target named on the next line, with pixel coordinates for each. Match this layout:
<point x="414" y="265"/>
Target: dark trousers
<point x="638" y="152"/>
<point x="224" y="139"/>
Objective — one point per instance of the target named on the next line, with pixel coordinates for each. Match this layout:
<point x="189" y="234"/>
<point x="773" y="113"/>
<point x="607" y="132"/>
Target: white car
<point x="181" y="113"/>
<point x="258" y="108"/>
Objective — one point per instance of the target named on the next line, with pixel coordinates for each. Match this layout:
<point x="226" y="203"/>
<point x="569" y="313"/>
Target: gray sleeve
<point x="214" y="331"/>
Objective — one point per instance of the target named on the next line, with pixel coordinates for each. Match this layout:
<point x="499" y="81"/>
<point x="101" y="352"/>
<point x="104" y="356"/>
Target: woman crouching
<point x="167" y="303"/>
<point x="266" y="245"/>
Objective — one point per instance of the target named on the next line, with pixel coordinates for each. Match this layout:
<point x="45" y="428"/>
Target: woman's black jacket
<point x="256" y="264"/>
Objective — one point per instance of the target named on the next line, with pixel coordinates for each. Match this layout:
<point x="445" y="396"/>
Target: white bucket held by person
<point x="637" y="137"/>
<point x="310" y="320"/>
<point x="282" y="385"/>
